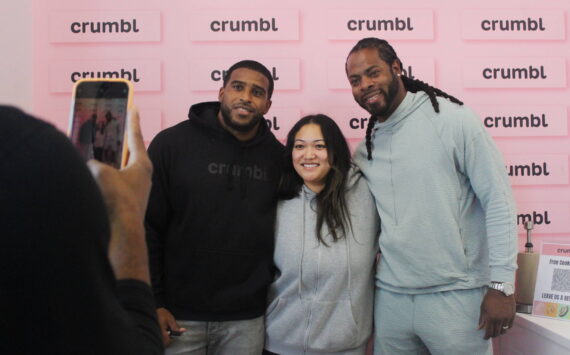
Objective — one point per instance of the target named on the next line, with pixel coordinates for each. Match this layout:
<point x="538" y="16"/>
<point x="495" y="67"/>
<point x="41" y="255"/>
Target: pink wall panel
<point x="143" y="73"/>
<point x="281" y="120"/>
<point x="354" y="23"/>
<point x="546" y="217"/>
<point x="153" y="123"/>
<point x="513" y="24"/>
<point x="102" y="26"/>
<point x="230" y="24"/>
<point x="524" y="120"/>
<point x="515" y="72"/>
<point x="537" y="169"/>
<point x="507" y="60"/>
<point x="207" y="73"/>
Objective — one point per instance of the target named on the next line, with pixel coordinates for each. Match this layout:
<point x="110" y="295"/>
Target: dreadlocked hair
<point x="414" y="85"/>
<point x="371" y="122"/>
<point x="387" y="53"/>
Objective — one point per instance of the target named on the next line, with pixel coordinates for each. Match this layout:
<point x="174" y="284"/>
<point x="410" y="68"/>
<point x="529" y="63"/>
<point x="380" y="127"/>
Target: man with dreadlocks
<point x="449" y="240"/>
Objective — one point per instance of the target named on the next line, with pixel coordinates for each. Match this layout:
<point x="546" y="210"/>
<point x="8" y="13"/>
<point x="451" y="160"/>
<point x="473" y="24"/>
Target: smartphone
<point x="98" y="119"/>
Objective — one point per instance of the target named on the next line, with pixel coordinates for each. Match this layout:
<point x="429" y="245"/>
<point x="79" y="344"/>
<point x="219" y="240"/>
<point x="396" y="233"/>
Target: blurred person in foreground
<point x="73" y="264"/>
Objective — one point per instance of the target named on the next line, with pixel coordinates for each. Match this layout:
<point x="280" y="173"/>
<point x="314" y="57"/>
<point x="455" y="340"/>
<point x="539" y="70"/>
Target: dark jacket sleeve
<point x="158" y="216"/>
<point x="58" y="293"/>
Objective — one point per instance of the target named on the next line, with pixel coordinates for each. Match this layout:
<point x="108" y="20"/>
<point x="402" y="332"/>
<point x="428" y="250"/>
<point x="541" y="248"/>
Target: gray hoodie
<point x="321" y="300"/>
<point x="448" y="214"/>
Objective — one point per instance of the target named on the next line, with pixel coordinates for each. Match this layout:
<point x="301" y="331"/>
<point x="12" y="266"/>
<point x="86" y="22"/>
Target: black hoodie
<point x="210" y="218"/>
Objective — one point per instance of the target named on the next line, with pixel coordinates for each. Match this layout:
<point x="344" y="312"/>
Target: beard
<point x="239" y="127"/>
<point x="378" y="110"/>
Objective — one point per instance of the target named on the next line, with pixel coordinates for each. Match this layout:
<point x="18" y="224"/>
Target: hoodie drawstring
<point x="300" y="286"/>
<point x="349" y="283"/>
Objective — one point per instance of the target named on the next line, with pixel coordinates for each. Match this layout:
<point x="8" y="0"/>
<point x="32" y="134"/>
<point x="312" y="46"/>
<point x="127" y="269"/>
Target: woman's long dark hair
<point x="330" y="202"/>
<point x="388" y="55"/>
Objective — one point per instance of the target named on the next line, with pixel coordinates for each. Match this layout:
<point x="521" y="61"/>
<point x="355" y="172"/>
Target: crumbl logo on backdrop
<point x="144" y="74"/>
<point x="513" y="24"/>
<point x="534" y="169"/>
<point x="261" y="25"/>
<point x="354" y="24"/>
<point x="208" y="74"/>
<point x="524" y="120"/>
<point x="514" y="72"/>
<point x="122" y="73"/>
<point x="414" y="67"/>
<point x="352" y="120"/>
<point x="281" y="120"/>
<point x="219" y="74"/>
<point x="104" y="26"/>
<point x="547" y="217"/>
<point x="244" y="25"/>
<point x="384" y="25"/>
<point x="536" y="217"/>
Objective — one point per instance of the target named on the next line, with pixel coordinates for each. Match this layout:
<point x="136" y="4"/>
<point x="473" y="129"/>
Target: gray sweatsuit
<point x="321" y="300"/>
<point x="448" y="227"/>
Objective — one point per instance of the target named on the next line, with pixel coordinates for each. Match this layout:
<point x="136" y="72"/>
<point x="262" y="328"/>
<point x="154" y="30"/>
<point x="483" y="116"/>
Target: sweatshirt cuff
<point x="503" y="274"/>
<point x="159" y="300"/>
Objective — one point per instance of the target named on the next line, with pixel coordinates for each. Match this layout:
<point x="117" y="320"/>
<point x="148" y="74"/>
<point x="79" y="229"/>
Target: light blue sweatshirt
<point x="446" y="207"/>
<point x="321" y="300"/>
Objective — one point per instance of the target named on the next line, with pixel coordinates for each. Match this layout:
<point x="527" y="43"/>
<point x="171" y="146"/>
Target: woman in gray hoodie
<point x="326" y="242"/>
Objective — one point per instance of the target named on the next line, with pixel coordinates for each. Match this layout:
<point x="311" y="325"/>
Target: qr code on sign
<point x="561" y="280"/>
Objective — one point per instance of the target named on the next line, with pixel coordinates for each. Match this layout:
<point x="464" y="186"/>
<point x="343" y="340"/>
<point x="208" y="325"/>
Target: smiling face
<point x="376" y="85"/>
<point x="243" y="102"/>
<point x="310" y="157"/>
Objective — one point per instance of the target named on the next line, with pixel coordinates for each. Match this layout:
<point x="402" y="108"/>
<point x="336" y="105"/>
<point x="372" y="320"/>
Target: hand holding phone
<point x="97" y="124"/>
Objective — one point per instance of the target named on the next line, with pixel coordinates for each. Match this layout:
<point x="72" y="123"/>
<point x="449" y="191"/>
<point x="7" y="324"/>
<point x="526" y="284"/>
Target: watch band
<point x="505" y="287"/>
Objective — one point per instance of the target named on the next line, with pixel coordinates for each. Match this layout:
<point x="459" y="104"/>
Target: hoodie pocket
<point x="286" y="322"/>
<point x="332" y="327"/>
<point x="422" y="255"/>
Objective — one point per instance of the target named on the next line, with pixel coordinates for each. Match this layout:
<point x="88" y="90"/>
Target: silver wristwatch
<point x="506" y="288"/>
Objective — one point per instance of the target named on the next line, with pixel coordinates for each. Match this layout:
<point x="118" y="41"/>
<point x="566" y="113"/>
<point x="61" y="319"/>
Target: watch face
<point x="508" y="289"/>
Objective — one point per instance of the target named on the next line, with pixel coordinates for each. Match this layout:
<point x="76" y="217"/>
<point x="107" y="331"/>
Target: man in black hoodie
<point x="211" y="216"/>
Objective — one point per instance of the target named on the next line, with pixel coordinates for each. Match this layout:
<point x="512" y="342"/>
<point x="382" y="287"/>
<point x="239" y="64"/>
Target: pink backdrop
<point x="175" y="52"/>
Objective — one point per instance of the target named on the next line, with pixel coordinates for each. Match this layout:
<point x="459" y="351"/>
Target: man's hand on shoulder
<point x="497" y="313"/>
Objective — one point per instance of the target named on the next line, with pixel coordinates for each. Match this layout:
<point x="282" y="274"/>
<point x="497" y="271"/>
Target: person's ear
<point x="397" y="67"/>
<point x="267" y="106"/>
<point x="221" y="94"/>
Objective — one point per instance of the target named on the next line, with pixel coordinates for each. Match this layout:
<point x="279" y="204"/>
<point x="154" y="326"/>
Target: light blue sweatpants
<point x="433" y="323"/>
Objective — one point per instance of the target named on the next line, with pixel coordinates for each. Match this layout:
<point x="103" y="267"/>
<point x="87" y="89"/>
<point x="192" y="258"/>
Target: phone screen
<point x="98" y="120"/>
